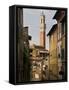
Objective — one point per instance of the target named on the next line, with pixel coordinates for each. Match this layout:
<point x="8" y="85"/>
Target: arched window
<point x="41" y="20"/>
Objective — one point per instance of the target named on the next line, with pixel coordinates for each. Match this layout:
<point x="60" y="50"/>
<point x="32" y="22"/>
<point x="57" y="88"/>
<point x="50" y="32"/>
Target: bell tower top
<point x="42" y="22"/>
<point x="42" y="13"/>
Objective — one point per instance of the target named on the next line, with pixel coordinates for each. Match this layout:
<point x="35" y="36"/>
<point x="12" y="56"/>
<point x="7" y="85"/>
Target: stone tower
<point x="42" y="30"/>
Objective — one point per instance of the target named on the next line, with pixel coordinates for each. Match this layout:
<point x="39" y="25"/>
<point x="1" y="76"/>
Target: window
<point x="30" y="55"/>
<point x="31" y="50"/>
<point x="59" y="51"/>
<point x="59" y="55"/>
<point x="41" y="55"/>
<point x="41" y="20"/>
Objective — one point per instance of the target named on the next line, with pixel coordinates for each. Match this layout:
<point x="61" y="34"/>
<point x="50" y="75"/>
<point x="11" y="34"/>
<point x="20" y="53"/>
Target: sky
<point x="31" y="18"/>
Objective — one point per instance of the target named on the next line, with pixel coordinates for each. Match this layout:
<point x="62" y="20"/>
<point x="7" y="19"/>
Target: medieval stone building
<point x="23" y="65"/>
<point x="57" y="47"/>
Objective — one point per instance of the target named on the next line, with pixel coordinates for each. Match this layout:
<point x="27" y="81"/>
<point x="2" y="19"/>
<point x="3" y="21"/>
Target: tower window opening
<point x="41" y="20"/>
